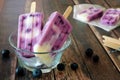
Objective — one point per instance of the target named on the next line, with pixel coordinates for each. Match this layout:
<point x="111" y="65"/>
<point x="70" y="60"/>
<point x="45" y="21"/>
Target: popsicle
<point x="29" y="30"/>
<point x="54" y="34"/>
<point x="90" y="14"/>
<point x="110" y="17"/>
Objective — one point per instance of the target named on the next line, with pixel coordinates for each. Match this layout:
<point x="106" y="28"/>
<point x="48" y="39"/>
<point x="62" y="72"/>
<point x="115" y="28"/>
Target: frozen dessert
<point x="29" y="31"/>
<point x="54" y="33"/>
<point x="90" y="14"/>
<point x="110" y="17"/>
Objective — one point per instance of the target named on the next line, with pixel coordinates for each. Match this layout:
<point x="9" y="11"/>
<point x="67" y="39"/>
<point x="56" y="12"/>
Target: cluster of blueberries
<point x="37" y="73"/>
<point x="89" y="53"/>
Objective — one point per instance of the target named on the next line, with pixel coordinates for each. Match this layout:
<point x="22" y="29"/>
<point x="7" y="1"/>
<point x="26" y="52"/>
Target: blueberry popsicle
<point x="29" y="31"/>
<point x="54" y="34"/>
<point x="110" y="17"/>
<point x="90" y="14"/>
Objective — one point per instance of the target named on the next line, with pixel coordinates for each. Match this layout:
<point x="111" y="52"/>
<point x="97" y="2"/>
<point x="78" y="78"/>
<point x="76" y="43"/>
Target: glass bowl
<point x="46" y="61"/>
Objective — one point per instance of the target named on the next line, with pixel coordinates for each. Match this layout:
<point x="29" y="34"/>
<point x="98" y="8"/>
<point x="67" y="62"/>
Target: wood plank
<point x="68" y="74"/>
<point x="1" y="4"/>
<point x="8" y="23"/>
<point x="113" y="3"/>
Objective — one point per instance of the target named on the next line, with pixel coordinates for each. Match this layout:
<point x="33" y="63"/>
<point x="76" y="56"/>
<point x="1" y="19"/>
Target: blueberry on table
<point x="61" y="66"/>
<point x="5" y="53"/>
<point x="95" y="58"/>
<point x="20" y="71"/>
<point x="74" y="66"/>
<point x="37" y="73"/>
<point x="89" y="52"/>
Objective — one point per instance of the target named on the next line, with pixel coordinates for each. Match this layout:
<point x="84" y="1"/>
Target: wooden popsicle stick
<point x="111" y="45"/>
<point x="33" y="7"/>
<point x="110" y="38"/>
<point x="67" y="12"/>
<point x="119" y="57"/>
<point x="76" y="2"/>
<point x="113" y="40"/>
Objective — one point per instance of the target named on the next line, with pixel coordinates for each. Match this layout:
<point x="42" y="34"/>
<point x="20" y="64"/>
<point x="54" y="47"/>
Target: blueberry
<point x="74" y="66"/>
<point x="89" y="52"/>
<point x="37" y="73"/>
<point x="5" y="53"/>
<point x="95" y="58"/>
<point x="61" y="66"/>
<point x="20" y="71"/>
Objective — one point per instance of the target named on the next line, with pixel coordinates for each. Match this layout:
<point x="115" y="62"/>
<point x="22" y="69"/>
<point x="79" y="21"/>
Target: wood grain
<point x="8" y="23"/>
<point x="1" y="4"/>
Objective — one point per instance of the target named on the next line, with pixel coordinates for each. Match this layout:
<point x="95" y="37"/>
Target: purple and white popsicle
<point x="54" y="33"/>
<point x="29" y="31"/>
<point x="90" y="14"/>
<point x="110" y="17"/>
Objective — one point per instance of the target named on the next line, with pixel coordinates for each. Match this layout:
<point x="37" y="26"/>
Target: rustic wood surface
<point x="83" y="36"/>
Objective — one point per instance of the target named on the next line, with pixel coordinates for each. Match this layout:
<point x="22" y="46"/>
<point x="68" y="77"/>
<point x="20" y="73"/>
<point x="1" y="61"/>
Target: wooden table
<point x="83" y="36"/>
